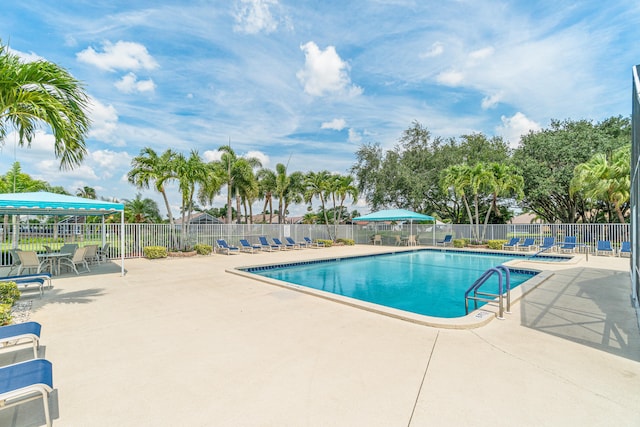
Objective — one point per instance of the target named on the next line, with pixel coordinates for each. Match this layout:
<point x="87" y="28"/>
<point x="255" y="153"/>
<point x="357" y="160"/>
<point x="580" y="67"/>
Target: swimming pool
<point x="425" y="282"/>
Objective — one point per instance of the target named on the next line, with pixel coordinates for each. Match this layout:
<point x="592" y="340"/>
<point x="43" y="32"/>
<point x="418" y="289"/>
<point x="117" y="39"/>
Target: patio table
<point x="53" y="259"/>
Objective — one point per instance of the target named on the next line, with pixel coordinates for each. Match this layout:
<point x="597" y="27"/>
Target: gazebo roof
<point x="44" y="203"/>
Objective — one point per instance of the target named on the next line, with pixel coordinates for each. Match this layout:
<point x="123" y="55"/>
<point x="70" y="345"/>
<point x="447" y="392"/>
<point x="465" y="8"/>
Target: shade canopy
<point x="394" y="215"/>
<point x="43" y="203"/>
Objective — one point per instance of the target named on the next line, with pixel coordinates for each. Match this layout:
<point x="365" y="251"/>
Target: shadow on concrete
<point x="586" y="306"/>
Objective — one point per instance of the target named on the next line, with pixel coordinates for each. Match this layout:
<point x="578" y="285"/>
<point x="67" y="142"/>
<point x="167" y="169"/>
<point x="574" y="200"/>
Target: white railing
<point x="137" y="236"/>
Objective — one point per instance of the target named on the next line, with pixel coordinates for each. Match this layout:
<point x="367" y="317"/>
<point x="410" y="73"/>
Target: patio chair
<point x="569" y="244"/>
<point x="20" y="333"/>
<point x="377" y="239"/>
<point x="548" y="244"/>
<point x="282" y="245"/>
<point x="25" y="381"/>
<point x="27" y="280"/>
<point x="625" y="249"/>
<point x="313" y="244"/>
<point x="103" y="253"/>
<point x="68" y="248"/>
<point x="604" y="246"/>
<point x="15" y="260"/>
<point x="266" y="246"/>
<point x="296" y="245"/>
<point x="91" y="253"/>
<point x="398" y="241"/>
<point x="224" y="246"/>
<point x="511" y="244"/>
<point x="447" y="241"/>
<point x="245" y="246"/>
<point x="76" y="259"/>
<point x="29" y="260"/>
<point x="529" y="244"/>
<point x="411" y="241"/>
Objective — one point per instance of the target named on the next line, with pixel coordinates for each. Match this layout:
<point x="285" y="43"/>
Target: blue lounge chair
<point x="282" y="245"/>
<point x="25" y="381"/>
<point x="548" y="244"/>
<point x="625" y="249"/>
<point x="19" y="333"/>
<point x="245" y="246"/>
<point x="604" y="246"/>
<point x="266" y="246"/>
<point x="27" y="280"/>
<point x="448" y="240"/>
<point x="569" y="244"/>
<point x="512" y="244"/>
<point x="529" y="244"/>
<point x="296" y="245"/>
<point x="224" y="246"/>
<point x="313" y="244"/>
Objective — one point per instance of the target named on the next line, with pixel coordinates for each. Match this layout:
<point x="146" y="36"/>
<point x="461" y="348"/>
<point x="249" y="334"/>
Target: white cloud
<point x="354" y="136"/>
<point x="254" y="16"/>
<point x="212" y="155"/>
<point x="104" y="120"/>
<point x="481" y="53"/>
<point x="119" y="56"/>
<point x="130" y="83"/>
<point x="450" y="78"/>
<point x="26" y="57"/>
<point x="264" y="159"/>
<point x="514" y="127"/>
<point x="324" y="72"/>
<point x="437" y="49"/>
<point x="335" y="124"/>
<point x="108" y="161"/>
<point x="491" y="101"/>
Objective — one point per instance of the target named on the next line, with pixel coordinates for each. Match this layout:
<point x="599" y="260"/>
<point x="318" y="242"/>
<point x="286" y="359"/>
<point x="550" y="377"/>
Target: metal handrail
<point x="500" y="295"/>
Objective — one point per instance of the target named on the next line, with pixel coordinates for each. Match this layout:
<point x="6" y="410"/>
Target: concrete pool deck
<point x="182" y="342"/>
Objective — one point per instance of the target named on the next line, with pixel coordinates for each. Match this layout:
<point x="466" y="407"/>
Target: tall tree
<point x="605" y="178"/>
<point x="267" y="186"/>
<point x="150" y="168"/>
<point x="236" y="171"/>
<point x="546" y="160"/>
<point x="318" y="185"/>
<point x="41" y="91"/>
<point x="502" y="180"/>
<point x="86" y="192"/>
<point x="190" y="171"/>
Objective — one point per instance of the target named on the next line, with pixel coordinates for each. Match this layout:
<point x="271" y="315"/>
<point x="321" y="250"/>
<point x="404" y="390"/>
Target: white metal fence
<point x="137" y="236"/>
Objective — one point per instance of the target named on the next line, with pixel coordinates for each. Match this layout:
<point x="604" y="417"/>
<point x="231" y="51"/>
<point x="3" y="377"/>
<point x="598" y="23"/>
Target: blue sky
<point x="310" y="81"/>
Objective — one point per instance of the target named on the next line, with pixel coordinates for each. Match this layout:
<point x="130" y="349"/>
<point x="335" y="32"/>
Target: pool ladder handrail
<point x="500" y="295"/>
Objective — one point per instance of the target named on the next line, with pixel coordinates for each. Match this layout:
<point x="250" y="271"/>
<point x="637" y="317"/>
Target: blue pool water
<point x="425" y="282"/>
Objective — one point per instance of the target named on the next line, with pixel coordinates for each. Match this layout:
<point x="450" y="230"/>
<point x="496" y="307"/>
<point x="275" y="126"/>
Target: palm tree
<point x="236" y="171"/>
<point x="457" y="178"/>
<point x="344" y="188"/>
<point x="266" y="186"/>
<point x="40" y="91"/>
<point x="317" y="184"/>
<point x="148" y="167"/>
<point x="294" y="193"/>
<point x="86" y="192"/>
<point x="502" y="180"/>
<point x="190" y="172"/>
<point x="606" y="179"/>
<point x="141" y="210"/>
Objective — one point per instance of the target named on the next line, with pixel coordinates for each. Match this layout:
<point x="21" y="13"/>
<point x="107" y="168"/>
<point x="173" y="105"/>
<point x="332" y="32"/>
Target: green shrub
<point x="496" y="244"/>
<point x="348" y="242"/>
<point x="9" y="293"/>
<point x="327" y="243"/>
<point x="459" y="243"/>
<point x="5" y="314"/>
<point x="154" y="252"/>
<point x="203" y="249"/>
